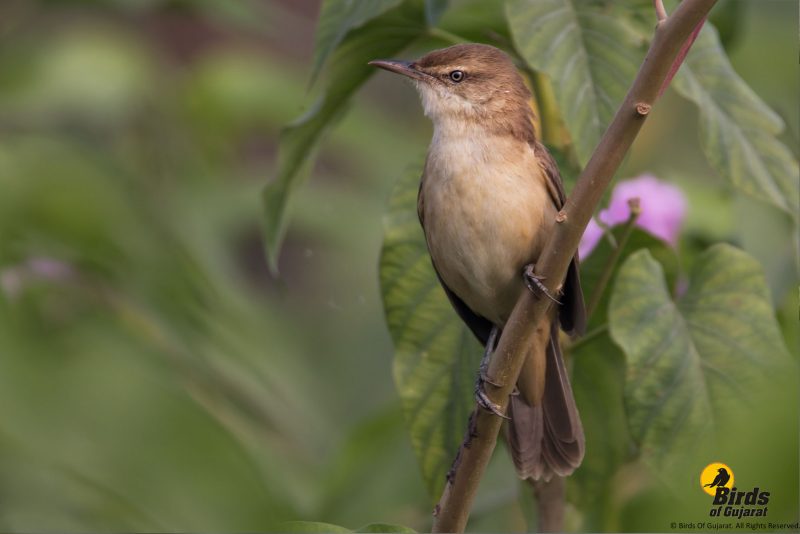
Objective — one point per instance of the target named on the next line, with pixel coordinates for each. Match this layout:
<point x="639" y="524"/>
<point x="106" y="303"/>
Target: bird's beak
<point x="406" y="68"/>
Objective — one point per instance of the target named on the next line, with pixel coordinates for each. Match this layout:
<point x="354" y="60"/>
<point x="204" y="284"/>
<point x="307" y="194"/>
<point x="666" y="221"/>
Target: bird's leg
<point x="487" y="354"/>
<point x="480" y="395"/>
<point x="534" y="283"/>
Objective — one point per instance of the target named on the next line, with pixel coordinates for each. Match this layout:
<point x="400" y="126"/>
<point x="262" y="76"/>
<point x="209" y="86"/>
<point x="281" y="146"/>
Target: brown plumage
<point x="488" y="198"/>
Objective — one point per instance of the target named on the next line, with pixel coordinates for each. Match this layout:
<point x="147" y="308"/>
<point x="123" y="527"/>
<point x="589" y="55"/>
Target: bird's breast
<point x="486" y="212"/>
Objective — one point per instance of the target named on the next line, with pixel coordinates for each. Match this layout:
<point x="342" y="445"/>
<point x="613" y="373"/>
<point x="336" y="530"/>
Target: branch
<point x="661" y="12"/>
<point x="550" y="497"/>
<point x="452" y="512"/>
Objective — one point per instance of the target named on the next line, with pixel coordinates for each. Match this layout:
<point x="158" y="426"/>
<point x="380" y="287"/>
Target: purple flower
<point x="590" y="238"/>
<point x="49" y="268"/>
<point x="15" y="278"/>
<point x="663" y="209"/>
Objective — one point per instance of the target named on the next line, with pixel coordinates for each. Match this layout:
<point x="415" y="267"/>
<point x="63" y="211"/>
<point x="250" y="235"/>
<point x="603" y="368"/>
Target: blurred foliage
<point x="154" y="376"/>
<point x="310" y="526"/>
<point x="386" y="34"/>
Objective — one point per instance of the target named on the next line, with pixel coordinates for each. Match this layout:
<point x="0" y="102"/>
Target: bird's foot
<point x="534" y="283"/>
<point x="487" y="355"/>
<point x="485" y="402"/>
<point x="480" y="395"/>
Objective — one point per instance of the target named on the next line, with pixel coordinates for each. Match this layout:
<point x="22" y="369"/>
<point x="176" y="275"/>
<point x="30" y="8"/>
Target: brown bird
<point x="488" y="198"/>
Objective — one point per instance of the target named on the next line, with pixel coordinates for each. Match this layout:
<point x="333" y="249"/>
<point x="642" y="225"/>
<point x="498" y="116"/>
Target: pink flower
<point x="663" y="209"/>
<point x="15" y="278"/>
<point x="590" y="238"/>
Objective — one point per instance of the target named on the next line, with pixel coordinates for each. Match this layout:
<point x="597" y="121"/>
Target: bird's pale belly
<point x="482" y="231"/>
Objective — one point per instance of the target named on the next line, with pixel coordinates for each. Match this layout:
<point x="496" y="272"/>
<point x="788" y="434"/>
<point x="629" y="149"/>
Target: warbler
<point x="488" y="199"/>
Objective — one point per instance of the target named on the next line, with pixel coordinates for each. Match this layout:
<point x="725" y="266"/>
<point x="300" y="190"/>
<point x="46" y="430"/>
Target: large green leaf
<point x="474" y="20"/>
<point x="339" y="17"/>
<point x="381" y="37"/>
<point x="436" y="357"/>
<point x="598" y="374"/>
<point x="589" y="52"/>
<point x="693" y="365"/>
<point x="737" y="129"/>
<point x="595" y="263"/>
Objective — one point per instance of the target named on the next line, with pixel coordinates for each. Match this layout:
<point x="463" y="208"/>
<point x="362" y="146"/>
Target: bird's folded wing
<point x="572" y="313"/>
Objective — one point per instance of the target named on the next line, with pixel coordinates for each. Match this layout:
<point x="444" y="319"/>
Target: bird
<point x="720" y="480"/>
<point x="488" y="198"/>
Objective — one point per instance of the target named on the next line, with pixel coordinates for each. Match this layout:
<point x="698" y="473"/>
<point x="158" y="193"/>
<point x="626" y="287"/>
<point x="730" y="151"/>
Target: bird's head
<point x="469" y="83"/>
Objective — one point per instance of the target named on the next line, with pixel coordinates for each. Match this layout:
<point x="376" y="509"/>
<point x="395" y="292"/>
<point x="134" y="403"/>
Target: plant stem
<point x="611" y="263"/>
<point x="550" y="498"/>
<point x="452" y="512"/>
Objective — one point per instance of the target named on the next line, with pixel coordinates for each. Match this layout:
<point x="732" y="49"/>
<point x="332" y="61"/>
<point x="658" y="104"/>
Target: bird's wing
<point x="547" y="438"/>
<point x="572" y="315"/>
<point x="479" y="325"/>
<point x="555" y="186"/>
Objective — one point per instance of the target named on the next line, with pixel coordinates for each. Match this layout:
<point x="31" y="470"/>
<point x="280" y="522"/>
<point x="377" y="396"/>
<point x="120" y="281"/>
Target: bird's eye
<point x="457" y="75"/>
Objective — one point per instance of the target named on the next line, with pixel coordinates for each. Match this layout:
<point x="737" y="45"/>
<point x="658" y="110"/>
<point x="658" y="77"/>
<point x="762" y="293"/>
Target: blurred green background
<point x="153" y="374"/>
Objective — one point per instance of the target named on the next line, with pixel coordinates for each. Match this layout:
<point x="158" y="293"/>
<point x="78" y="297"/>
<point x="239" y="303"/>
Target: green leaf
<point x="436" y="357"/>
<point x="337" y="18"/>
<point x="384" y="527"/>
<point x="473" y="20"/>
<point x="311" y="526"/>
<point x="695" y="364"/>
<point x="593" y="265"/>
<point x="737" y="129"/>
<point x="381" y="37"/>
<point x="589" y="52"/>
<point x="598" y="377"/>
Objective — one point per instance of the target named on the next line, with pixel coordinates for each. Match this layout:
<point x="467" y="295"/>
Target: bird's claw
<point x="483" y="377"/>
<point x="483" y="374"/>
<point x="534" y="283"/>
<point x="485" y="402"/>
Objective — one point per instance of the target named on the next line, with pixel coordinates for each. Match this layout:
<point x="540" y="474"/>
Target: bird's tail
<point x="547" y="438"/>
